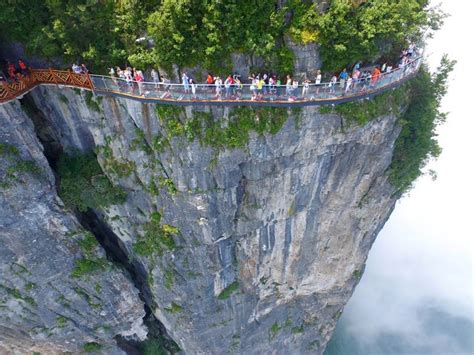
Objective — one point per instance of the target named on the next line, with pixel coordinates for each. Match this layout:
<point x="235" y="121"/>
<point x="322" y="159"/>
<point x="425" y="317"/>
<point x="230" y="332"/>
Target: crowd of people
<point x="15" y="72"/>
<point x="261" y="85"/>
<point x="265" y="84"/>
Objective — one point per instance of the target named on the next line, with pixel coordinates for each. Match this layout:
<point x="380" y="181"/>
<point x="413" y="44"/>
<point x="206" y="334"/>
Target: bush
<point x="91" y="347"/>
<point x="417" y="143"/>
<point x="351" y="31"/>
<point x="156" y="237"/>
<point x="83" y="185"/>
<point x="226" y="292"/>
<point x="86" y="266"/>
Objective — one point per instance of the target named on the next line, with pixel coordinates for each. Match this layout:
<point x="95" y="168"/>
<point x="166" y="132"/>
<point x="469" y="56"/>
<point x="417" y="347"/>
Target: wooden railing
<point x="16" y="88"/>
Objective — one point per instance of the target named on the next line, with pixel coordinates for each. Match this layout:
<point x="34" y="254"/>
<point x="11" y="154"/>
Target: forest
<point x="160" y="33"/>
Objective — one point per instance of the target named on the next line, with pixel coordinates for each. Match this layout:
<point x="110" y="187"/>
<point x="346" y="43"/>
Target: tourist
<point x="318" y="81"/>
<point x="155" y="77"/>
<point x="76" y="69"/>
<point x="238" y="87"/>
<point x="265" y="83"/>
<point x="375" y="76"/>
<point x="367" y="79"/>
<point x="193" y="87"/>
<point x="185" y="81"/>
<point x="11" y="71"/>
<point x="305" y="88"/>
<point x="294" y="88"/>
<point x="288" y="85"/>
<point x="348" y="85"/>
<point x="139" y="79"/>
<point x="260" y="85"/>
<point x="23" y="67"/>
<point x="278" y="87"/>
<point x="332" y="84"/>
<point x="253" y="86"/>
<point x="84" y="69"/>
<point x="342" y="78"/>
<point x="218" y="84"/>
<point x="228" y="86"/>
<point x="355" y="78"/>
<point x="129" y="78"/>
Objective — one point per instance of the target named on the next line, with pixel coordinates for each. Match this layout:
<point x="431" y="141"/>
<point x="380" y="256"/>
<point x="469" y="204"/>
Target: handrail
<point x="199" y="94"/>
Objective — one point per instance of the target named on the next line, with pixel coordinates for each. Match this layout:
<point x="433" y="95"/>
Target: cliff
<point x="250" y="227"/>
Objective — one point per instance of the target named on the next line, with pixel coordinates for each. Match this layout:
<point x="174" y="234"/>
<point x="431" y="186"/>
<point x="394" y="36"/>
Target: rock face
<point x="42" y="307"/>
<point x="269" y="239"/>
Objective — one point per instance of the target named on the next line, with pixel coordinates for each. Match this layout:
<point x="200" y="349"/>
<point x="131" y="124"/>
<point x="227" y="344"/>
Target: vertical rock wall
<point x="43" y="308"/>
<point x="271" y="238"/>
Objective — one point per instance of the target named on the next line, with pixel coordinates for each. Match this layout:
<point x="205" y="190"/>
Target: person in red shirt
<point x="375" y="76"/>
<point x="11" y="70"/>
<point x="23" y="67"/>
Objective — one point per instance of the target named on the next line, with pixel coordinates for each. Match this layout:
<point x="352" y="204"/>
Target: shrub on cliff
<point x="417" y="142"/>
<point x="83" y="184"/>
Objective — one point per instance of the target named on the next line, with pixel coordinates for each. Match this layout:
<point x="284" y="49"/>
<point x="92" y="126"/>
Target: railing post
<point x="90" y="82"/>
<point x="51" y="72"/>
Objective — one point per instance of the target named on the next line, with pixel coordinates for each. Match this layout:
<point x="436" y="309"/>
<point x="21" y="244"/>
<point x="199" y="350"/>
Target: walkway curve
<point x="243" y="95"/>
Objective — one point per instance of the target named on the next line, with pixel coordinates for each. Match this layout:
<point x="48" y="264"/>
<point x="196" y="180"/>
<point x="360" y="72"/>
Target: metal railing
<point x="199" y="94"/>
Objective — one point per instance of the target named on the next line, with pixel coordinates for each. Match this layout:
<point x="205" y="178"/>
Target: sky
<point x="417" y="293"/>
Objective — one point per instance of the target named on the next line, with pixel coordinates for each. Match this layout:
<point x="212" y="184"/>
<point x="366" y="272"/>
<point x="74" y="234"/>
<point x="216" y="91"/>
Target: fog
<point x="417" y="294"/>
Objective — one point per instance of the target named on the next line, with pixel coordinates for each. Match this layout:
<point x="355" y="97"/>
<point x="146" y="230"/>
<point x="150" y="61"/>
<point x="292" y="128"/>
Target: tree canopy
<point x="104" y="33"/>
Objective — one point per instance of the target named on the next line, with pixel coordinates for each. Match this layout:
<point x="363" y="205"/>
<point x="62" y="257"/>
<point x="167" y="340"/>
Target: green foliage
<point x="191" y="32"/>
<point x="87" y="266"/>
<point x="63" y="98"/>
<point x="174" y="308"/>
<point x="103" y="33"/>
<point x="83" y="185"/>
<point x="417" y="143"/>
<point x="156" y="238"/>
<point x="8" y="150"/>
<point x="229" y="290"/>
<point x="168" y="279"/>
<point x="170" y="117"/>
<point x="168" y="184"/>
<point x="363" y="111"/>
<point x="153" y="346"/>
<point x="88" y="243"/>
<point x="15" y="293"/>
<point x="91" y="102"/>
<point x="91" y="347"/>
<point x="16" y="167"/>
<point x="275" y="328"/>
<point x="61" y="321"/>
<point x="241" y="122"/>
<point x="352" y="31"/>
<point x="112" y="165"/>
<point x="297" y="330"/>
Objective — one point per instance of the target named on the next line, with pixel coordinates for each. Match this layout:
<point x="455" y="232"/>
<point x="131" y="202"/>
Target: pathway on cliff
<point x="203" y="94"/>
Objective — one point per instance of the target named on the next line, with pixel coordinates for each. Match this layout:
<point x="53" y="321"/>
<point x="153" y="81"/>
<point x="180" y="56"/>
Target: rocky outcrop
<point x="46" y="306"/>
<point x="264" y="242"/>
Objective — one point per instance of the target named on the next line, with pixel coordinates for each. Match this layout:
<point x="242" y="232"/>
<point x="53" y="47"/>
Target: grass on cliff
<point x="83" y="184"/>
<point x="16" y="165"/>
<point x="220" y="133"/>
<point x="228" y="291"/>
<point x="157" y="237"/>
